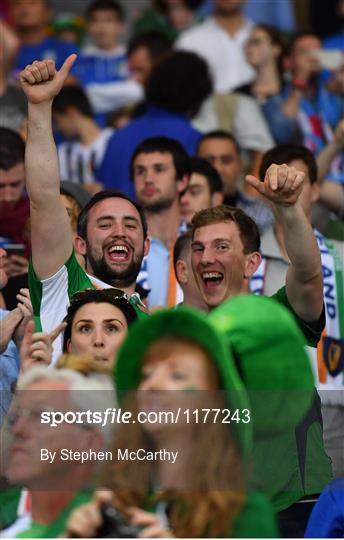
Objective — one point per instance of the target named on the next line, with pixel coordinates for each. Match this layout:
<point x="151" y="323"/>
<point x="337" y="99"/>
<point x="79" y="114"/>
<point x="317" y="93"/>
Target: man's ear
<point x="217" y="198"/>
<point x="80" y="245"/>
<point x="146" y="246"/>
<point x="182" y="183"/>
<point x="181" y="272"/>
<point x="252" y="263"/>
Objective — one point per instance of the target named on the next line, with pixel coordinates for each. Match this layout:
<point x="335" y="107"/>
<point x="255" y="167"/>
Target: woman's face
<point x="259" y="48"/>
<point x="98" y="329"/>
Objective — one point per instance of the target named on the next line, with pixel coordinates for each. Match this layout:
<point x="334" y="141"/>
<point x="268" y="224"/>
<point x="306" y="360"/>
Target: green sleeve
<point x="9" y="500"/>
<point x="256" y="519"/>
<point x="312" y="332"/>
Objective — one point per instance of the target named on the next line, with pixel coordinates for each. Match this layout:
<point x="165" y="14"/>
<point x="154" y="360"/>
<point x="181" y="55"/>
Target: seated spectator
<point x="205" y="488"/>
<point x="222" y="151"/>
<point x="327" y="518"/>
<point x="184" y="273"/>
<point x="204" y="190"/>
<point x="13" y="105"/>
<point x="31" y="19"/>
<point x="52" y="488"/>
<point x="172" y="100"/>
<point x="102" y="66"/>
<point x="80" y="157"/>
<point x="14" y="204"/>
<point x="143" y="53"/>
<point x="220" y="41"/>
<point x="96" y="323"/>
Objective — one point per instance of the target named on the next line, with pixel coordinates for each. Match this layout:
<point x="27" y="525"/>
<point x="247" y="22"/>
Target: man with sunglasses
<point x="112" y="231"/>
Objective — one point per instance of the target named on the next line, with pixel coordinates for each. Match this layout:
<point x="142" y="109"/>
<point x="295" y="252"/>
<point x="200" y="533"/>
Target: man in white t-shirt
<point x="220" y="40"/>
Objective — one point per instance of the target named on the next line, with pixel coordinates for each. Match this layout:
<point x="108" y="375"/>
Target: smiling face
<point x="115" y="244"/>
<point x="98" y="329"/>
<point x="220" y="266"/>
<point x="156" y="183"/>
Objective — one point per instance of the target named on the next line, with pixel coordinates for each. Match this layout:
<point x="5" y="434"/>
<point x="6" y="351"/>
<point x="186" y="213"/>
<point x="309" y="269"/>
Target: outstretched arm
<point x="283" y="185"/>
<point x="50" y="230"/>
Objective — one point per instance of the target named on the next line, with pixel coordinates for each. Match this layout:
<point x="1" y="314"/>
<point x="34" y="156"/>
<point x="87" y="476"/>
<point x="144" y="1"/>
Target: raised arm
<point x="51" y="235"/>
<point x="283" y="185"/>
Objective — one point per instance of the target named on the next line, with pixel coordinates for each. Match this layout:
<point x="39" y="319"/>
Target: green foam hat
<point x="189" y="324"/>
<point x="269" y="350"/>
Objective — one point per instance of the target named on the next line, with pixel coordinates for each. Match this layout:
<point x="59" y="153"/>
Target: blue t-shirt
<point x="114" y="170"/>
<point x="327" y="517"/>
<point x="9" y="371"/>
<point x="49" y="47"/>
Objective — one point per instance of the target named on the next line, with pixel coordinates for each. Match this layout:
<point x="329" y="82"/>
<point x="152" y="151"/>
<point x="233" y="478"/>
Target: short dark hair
<point x="12" y="149"/>
<point x="182" y="244"/>
<point x="155" y="42"/>
<point x="248" y="230"/>
<point x="296" y="37"/>
<point x="72" y="96"/>
<point x="220" y="134"/>
<point x="96" y="296"/>
<point x="101" y="196"/>
<point x="179" y="82"/>
<point x="204" y="168"/>
<point x="285" y="153"/>
<point x="164" y="145"/>
<point x="105" y="5"/>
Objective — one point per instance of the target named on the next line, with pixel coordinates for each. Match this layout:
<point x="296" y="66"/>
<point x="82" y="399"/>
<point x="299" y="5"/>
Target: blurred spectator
<point x="327" y="518"/>
<point x="52" y="489"/>
<point x="69" y="28"/>
<point x="220" y="41"/>
<point x="270" y="277"/>
<point x="204" y="190"/>
<point x="31" y="19"/>
<point x="184" y="274"/>
<point x="14" y="204"/>
<point x="264" y="50"/>
<point x="221" y="149"/>
<point x="307" y="101"/>
<point x="160" y="170"/>
<point x="168" y="18"/>
<point x="172" y="100"/>
<point x="121" y="117"/>
<point x="83" y="152"/>
<point x="143" y="53"/>
<point x="102" y="66"/>
<point x="13" y="104"/>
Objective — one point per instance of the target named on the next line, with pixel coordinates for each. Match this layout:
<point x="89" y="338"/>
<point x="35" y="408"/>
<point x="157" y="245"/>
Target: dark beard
<point x="119" y="279"/>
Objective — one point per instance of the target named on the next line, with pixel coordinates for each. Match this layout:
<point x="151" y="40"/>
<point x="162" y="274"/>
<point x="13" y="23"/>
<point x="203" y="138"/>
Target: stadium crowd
<point x="172" y="241"/>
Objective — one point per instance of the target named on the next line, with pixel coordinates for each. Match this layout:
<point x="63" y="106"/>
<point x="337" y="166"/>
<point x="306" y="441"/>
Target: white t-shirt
<point x="79" y="162"/>
<point x="225" y="54"/>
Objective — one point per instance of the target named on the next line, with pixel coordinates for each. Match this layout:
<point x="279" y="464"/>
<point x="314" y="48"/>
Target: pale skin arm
<point x="304" y="285"/>
<point x="51" y="235"/>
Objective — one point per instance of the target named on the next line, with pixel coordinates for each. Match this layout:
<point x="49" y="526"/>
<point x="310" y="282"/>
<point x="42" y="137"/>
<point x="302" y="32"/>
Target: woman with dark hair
<point x="176" y="361"/>
<point x="97" y="322"/>
<point x="264" y="51"/>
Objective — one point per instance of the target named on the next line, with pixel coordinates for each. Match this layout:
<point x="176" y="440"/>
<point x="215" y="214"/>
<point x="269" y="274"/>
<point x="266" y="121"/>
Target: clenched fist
<point x="41" y="82"/>
<point x="282" y="184"/>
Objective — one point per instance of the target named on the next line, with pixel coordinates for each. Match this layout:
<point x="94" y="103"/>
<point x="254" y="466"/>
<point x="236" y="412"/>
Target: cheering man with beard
<point x="112" y="231"/>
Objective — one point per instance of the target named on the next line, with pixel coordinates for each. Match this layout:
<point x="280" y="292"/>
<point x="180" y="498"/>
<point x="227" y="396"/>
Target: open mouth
<point x="212" y="280"/>
<point x="118" y="253"/>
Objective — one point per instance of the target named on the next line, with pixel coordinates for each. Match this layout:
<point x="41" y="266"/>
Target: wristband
<point x="299" y="84"/>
